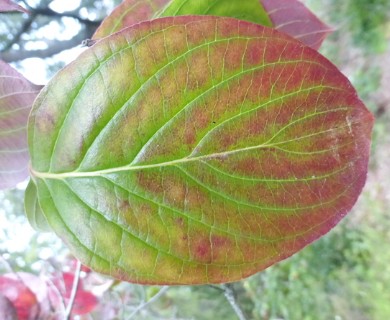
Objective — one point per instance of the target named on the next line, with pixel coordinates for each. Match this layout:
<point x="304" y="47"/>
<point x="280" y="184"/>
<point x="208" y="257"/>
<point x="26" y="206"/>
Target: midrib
<point x="79" y="174"/>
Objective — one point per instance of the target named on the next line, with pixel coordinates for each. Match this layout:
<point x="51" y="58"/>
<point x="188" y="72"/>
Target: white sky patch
<point x="54" y="31"/>
<point x="11" y="231"/>
<point x="61" y="6"/>
<point x="34" y="69"/>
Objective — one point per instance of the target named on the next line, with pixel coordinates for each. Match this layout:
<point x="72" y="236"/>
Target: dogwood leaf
<point x="34" y="213"/>
<point x="126" y="14"/>
<point x="196" y="149"/>
<point x="248" y="10"/>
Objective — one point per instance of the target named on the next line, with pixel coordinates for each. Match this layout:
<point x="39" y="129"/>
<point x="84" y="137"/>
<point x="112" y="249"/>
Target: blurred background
<point x="344" y="275"/>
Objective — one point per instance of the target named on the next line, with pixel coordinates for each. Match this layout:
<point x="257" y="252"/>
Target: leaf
<point x="293" y="18"/>
<point x="33" y="210"/>
<point x="7" y="309"/>
<point x="194" y="150"/>
<point x="128" y="13"/>
<point x="22" y="298"/>
<point x="84" y="302"/>
<point x="7" y="5"/>
<point x="16" y="97"/>
<point x="248" y="10"/>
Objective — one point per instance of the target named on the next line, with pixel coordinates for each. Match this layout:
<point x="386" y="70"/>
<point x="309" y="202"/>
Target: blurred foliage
<point x="367" y="21"/>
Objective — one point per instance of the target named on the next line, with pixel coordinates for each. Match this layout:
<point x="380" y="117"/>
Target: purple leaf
<point x="16" y="97"/>
<point x="7" y="5"/>
<point x="293" y="18"/>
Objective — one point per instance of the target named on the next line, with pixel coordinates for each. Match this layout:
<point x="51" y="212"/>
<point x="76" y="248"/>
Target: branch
<point x="231" y="297"/>
<point x="24" y="28"/>
<point x="76" y="281"/>
<point x="51" y="13"/>
<point x="54" y="47"/>
<point x="151" y="300"/>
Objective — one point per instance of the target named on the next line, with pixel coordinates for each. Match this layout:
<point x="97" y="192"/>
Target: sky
<point x="34" y="69"/>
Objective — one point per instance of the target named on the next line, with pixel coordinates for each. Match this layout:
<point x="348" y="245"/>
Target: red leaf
<point x="8" y="5"/>
<point x="21" y="297"/>
<point x="16" y="97"/>
<point x="7" y="309"/>
<point x="128" y="13"/>
<point x="293" y="18"/>
<point x="84" y="302"/>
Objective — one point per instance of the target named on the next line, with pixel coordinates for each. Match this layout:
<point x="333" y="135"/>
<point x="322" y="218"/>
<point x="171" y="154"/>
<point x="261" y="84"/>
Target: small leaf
<point x="8" y="5"/>
<point x="16" y="97"/>
<point x="7" y="309"/>
<point x="293" y="18"/>
<point x="128" y="13"/>
<point x="194" y="150"/>
<point x="85" y="302"/>
<point x="248" y="10"/>
<point x="21" y="297"/>
<point x="33" y="210"/>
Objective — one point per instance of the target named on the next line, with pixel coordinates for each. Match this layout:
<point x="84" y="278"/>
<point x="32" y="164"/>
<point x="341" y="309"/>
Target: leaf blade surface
<point x="249" y="10"/>
<point x="196" y="150"/>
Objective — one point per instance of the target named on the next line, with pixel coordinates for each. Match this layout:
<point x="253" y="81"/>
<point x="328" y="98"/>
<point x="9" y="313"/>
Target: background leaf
<point x="196" y="150"/>
<point x="8" y="5"/>
<point x="22" y="298"/>
<point x="33" y="210"/>
<point x="127" y="13"/>
<point x="248" y="10"/>
<point x="293" y="18"/>
<point x="16" y="97"/>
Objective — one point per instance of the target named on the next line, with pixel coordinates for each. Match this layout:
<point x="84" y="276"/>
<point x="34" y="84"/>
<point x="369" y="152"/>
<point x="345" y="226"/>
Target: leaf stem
<point x="231" y="297"/>
<point x="150" y="301"/>
<point x="75" y="286"/>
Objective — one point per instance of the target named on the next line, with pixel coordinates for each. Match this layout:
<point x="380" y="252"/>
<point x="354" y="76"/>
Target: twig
<point x="24" y="28"/>
<point x="51" y="13"/>
<point x="230" y="296"/>
<point x="150" y="301"/>
<point x="75" y="285"/>
<point x="53" y="48"/>
<point x="11" y="270"/>
<point x="216" y="287"/>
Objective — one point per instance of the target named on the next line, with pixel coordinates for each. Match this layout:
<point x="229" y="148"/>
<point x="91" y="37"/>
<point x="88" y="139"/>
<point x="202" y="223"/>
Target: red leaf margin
<point x="126" y="14"/>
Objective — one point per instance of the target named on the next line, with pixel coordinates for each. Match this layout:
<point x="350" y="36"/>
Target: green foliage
<point x="367" y="19"/>
<point x="249" y="10"/>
